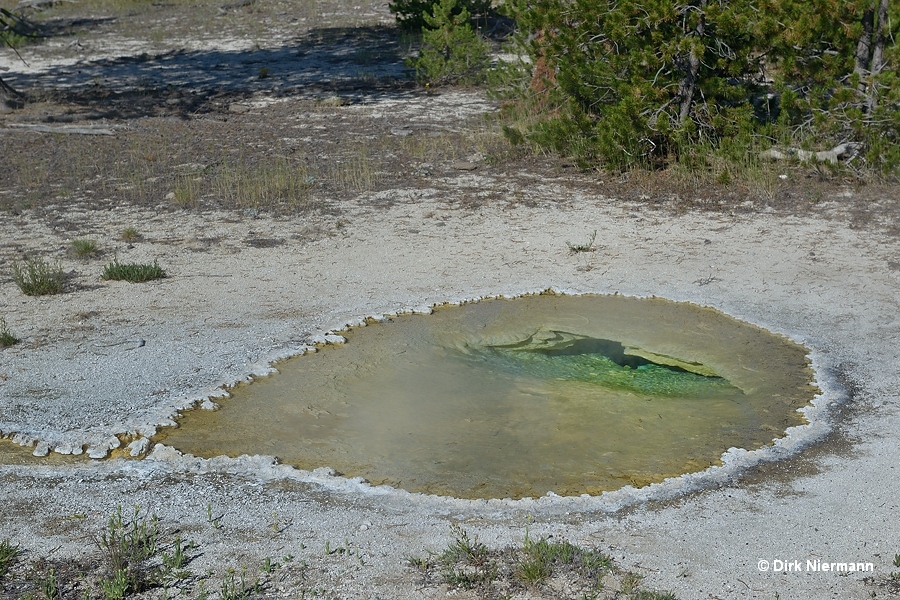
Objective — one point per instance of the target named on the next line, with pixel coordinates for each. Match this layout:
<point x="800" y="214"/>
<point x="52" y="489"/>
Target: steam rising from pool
<point x="516" y="398"/>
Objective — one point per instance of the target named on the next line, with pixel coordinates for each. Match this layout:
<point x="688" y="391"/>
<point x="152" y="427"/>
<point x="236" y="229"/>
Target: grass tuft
<point x="36" y="277"/>
<point x="464" y="549"/>
<point x="232" y="589"/>
<point x="7" y="339"/>
<point x="8" y="555"/>
<point x="630" y="582"/>
<point x="265" y="184"/>
<point x="49" y="585"/>
<point x="587" y="247"/>
<point x="84" y="248"/>
<point x="542" y="557"/>
<point x="133" y="272"/>
<point x="467" y="562"/>
<point x="418" y="562"/>
<point x="128" y="546"/>
<point x="129" y="234"/>
<point x="533" y="570"/>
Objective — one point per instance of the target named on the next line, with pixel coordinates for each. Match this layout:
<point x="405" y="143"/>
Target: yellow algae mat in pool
<point x="515" y="398"/>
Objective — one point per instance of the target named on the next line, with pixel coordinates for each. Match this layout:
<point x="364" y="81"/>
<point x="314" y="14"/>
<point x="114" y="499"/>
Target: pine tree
<point x="410" y="14"/>
<point x="648" y="81"/>
<point x="452" y="52"/>
<point x="12" y="27"/>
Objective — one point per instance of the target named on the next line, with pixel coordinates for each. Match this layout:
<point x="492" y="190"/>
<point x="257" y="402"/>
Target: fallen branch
<point x="845" y="150"/>
<point x="240" y="4"/>
<point x="40" y="4"/>
<point x="40" y="128"/>
<point x="9" y="98"/>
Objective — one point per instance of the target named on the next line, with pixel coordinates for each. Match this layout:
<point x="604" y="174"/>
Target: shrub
<point x="133" y="272"/>
<point x="36" y="277"/>
<point x="452" y="52"/>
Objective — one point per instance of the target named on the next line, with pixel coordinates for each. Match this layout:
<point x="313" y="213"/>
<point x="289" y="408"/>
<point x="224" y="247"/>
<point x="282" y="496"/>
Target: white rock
<point x="138" y="447"/>
<point x="41" y="449"/>
<point x="97" y="452"/>
<point x="164" y="453"/>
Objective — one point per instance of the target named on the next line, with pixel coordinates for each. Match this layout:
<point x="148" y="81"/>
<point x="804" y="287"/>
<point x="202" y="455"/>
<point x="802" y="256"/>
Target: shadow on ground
<point x="358" y="63"/>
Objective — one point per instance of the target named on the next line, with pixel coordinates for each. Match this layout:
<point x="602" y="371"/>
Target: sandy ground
<point x="81" y="380"/>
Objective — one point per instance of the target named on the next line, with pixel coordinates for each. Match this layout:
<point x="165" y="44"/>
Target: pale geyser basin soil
<point x="80" y="378"/>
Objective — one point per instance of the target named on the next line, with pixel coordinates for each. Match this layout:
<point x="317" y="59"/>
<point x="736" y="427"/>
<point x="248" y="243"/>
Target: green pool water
<point x="515" y="398"/>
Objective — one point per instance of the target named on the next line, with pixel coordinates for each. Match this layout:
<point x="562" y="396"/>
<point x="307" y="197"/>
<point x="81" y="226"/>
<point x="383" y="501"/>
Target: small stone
<point x="170" y="196"/>
<point x="42" y="449"/>
<point x="97" y="452"/>
<point x="463" y="165"/>
<point x="327" y="338"/>
<point x="138" y="447"/>
<point x="238" y="108"/>
<point x="401" y="131"/>
<point x="164" y="453"/>
<point x="68" y="449"/>
<point x="190" y="168"/>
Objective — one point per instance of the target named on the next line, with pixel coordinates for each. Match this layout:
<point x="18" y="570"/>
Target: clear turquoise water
<point x="603" y="363"/>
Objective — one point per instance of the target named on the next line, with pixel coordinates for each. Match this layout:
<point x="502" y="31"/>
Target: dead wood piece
<point x="239" y="4"/>
<point x="845" y="150"/>
<point x="68" y="129"/>
<point x="40" y="4"/>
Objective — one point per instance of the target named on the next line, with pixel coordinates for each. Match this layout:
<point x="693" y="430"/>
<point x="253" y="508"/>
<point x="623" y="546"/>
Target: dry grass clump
<point x="37" y="277"/>
<point x="84" y="248"/>
<point x="129" y="234"/>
